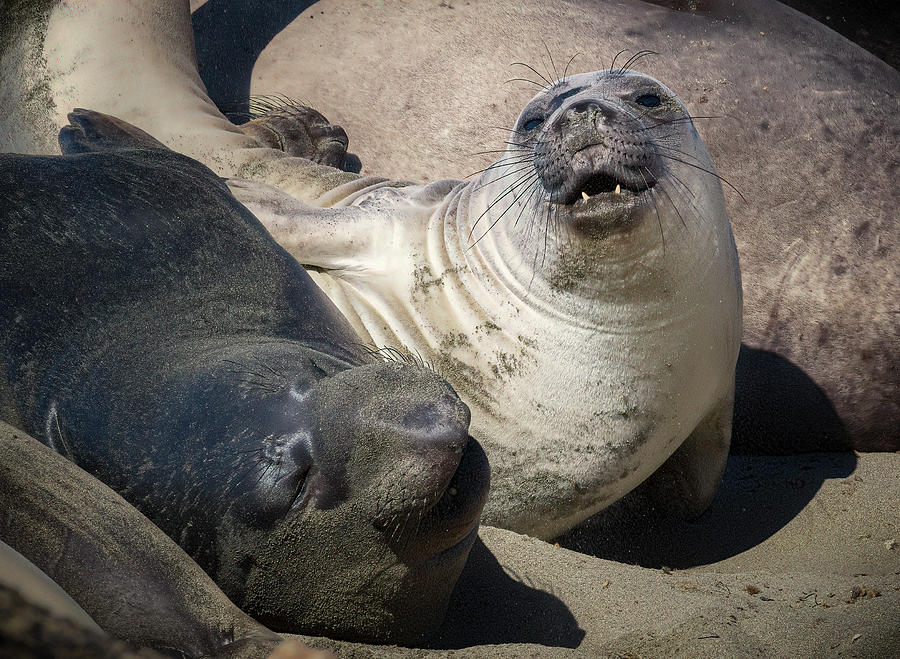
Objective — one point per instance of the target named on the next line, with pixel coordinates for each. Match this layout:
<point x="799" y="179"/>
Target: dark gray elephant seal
<point x="160" y="339"/>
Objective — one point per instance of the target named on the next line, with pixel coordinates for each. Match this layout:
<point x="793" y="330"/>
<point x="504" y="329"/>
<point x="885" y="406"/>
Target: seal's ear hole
<point x="648" y="100"/>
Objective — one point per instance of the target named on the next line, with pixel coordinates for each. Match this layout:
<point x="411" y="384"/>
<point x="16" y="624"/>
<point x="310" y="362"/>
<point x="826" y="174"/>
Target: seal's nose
<point x="590" y="112"/>
<point x="584" y="107"/>
<point x="441" y="425"/>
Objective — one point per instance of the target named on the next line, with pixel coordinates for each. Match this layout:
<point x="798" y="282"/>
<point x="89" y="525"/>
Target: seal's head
<point x="351" y="495"/>
<point x="612" y="153"/>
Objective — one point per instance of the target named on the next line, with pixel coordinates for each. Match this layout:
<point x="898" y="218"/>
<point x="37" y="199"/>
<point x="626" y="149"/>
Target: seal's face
<point x="364" y="502"/>
<point x="595" y="152"/>
<point x="603" y="176"/>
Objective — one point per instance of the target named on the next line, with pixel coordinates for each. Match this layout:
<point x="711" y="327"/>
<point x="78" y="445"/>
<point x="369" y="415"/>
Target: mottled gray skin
<point x="163" y="342"/>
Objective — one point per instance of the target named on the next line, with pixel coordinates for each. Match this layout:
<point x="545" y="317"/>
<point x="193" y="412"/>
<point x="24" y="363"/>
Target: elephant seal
<point x="582" y="294"/>
<point x="159" y="338"/>
<point x="585" y="367"/>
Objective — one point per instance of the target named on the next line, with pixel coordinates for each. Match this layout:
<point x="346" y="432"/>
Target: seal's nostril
<point x="583" y="107"/>
<point x="439" y="423"/>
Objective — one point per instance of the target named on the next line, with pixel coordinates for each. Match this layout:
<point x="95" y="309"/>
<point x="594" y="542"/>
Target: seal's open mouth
<point x="602" y="200"/>
<point x="605" y="186"/>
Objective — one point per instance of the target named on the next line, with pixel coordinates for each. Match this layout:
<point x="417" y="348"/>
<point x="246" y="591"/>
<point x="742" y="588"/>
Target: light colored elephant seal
<point x="582" y="295"/>
<point x="591" y="339"/>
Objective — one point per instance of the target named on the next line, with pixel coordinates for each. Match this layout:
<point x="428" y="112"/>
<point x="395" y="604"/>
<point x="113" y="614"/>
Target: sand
<point x="798" y="556"/>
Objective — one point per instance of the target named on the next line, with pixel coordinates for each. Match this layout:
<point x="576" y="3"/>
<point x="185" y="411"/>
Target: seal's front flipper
<point x="329" y="238"/>
<point x="687" y="482"/>
<point x="94" y="131"/>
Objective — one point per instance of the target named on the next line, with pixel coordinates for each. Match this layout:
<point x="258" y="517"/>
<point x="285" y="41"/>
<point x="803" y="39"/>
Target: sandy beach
<point x="798" y="556"/>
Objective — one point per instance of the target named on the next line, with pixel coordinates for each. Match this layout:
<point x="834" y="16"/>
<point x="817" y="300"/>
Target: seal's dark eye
<point x="531" y="124"/>
<point x="648" y="100"/>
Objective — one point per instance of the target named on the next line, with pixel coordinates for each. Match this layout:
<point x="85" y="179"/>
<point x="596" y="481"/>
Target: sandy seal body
<point x="582" y="294"/>
<point x="169" y="347"/>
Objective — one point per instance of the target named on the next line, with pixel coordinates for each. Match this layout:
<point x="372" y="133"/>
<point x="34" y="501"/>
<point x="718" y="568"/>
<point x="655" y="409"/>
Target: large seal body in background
<point x="582" y="294"/>
<point x="803" y="123"/>
<point x="155" y="335"/>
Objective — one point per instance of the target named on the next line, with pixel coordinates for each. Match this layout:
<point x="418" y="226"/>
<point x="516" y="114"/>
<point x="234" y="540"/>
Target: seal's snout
<point x="406" y="437"/>
<point x="588" y="111"/>
<point x="441" y="425"/>
<point x="595" y="146"/>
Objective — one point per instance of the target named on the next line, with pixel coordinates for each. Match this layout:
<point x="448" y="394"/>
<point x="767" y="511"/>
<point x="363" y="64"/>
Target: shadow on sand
<point x="229" y="36"/>
<point x="489" y="607"/>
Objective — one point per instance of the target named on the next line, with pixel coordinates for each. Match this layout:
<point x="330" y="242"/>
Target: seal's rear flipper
<point x="284" y="124"/>
<point x="94" y="131"/>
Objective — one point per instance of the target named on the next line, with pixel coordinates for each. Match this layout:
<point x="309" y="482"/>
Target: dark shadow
<point x="229" y="36"/>
<point x="865" y="22"/>
<point x="758" y="496"/>
<point x="489" y="607"/>
<point x="780" y="410"/>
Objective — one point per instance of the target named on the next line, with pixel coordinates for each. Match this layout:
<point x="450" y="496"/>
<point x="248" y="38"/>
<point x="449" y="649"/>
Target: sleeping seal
<point x="582" y="295"/>
<point x="157" y="337"/>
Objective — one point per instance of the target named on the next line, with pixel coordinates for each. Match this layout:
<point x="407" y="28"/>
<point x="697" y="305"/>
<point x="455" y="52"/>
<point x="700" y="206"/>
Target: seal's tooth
<point x="585" y="195"/>
<point x="618" y="189"/>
